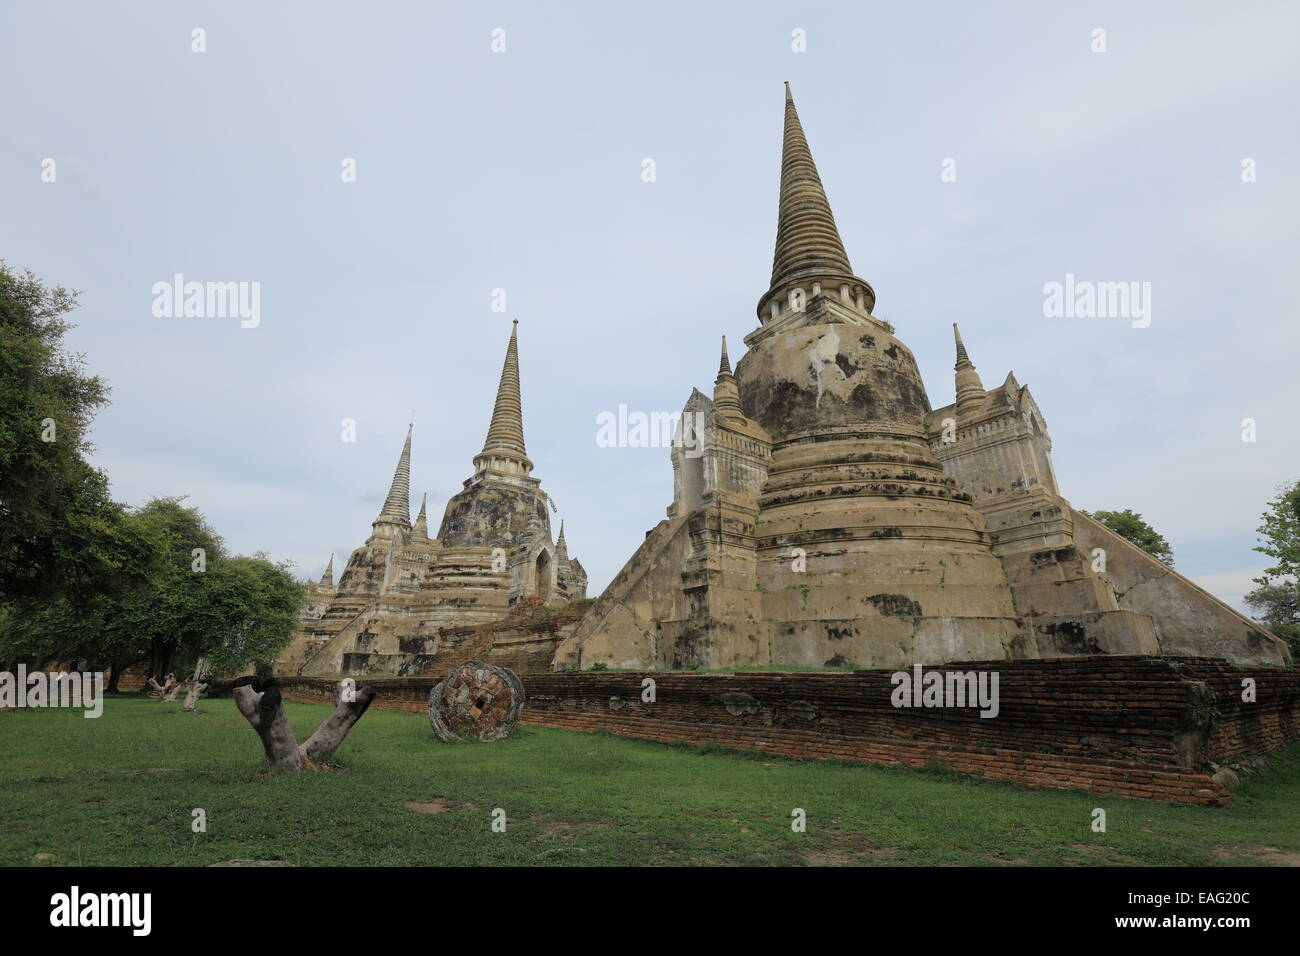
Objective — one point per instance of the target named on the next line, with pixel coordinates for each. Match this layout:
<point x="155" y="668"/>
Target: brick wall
<point x="1133" y="726"/>
<point x="132" y="679"/>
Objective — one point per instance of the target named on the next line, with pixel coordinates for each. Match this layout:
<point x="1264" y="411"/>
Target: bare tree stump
<point x="476" y="700"/>
<point x="197" y="689"/>
<point x="265" y="712"/>
<point x="164" y="691"/>
<point x="197" y="686"/>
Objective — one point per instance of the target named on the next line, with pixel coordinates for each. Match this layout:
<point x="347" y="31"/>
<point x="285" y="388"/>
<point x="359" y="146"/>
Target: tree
<point x="56" y="517"/>
<point x="1276" y="605"/>
<point x="1131" y="527"/>
<point x="1276" y="602"/>
<point x="264" y="711"/>
<point x="252" y="608"/>
<point x="1281" y="531"/>
<point x="82" y="624"/>
<point x="203" y="608"/>
<point x="170" y="611"/>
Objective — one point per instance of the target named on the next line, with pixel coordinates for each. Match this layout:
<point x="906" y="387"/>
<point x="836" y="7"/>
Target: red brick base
<point x="1131" y="726"/>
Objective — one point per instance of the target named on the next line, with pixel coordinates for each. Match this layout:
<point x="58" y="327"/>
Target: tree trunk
<point x="162" y="658"/>
<point x="114" y="675"/>
<point x="321" y="745"/>
<point x="265" y="712"/>
<point x="197" y="686"/>
<point x="164" y="691"/>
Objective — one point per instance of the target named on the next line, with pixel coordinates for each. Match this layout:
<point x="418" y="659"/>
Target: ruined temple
<point x="404" y="597"/>
<point x="830" y="517"/>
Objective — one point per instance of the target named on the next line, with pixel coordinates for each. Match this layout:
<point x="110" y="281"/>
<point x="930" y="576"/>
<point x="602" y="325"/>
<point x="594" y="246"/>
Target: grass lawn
<point x="119" y="790"/>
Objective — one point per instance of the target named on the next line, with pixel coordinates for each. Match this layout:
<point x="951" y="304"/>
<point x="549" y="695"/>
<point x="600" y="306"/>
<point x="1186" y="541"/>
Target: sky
<point x="972" y="154"/>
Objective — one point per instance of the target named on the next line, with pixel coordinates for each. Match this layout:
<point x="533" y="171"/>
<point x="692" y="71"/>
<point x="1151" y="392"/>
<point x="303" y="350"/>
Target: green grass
<point x="119" y="790"/>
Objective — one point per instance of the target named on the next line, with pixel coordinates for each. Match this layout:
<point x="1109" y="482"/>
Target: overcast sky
<point x="523" y="170"/>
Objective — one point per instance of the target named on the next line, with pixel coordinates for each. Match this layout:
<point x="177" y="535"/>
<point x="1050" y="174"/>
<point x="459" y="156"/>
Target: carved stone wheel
<point x="476" y="701"/>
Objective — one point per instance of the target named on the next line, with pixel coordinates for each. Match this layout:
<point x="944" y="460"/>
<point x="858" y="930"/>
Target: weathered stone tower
<point x="829" y="517"/>
<point x="402" y="589"/>
<point x="495" y="539"/>
<point x="896" y="563"/>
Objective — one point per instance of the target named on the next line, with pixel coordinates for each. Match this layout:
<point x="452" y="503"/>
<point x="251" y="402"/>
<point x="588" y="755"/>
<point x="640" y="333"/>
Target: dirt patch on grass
<point x="252" y="863"/>
<point x="438" y="805"/>
<point x="1091" y="855"/>
<point x="861" y="854"/>
<point x="1001" y="859"/>
<point x="559" y="829"/>
<point x="1268" y="855"/>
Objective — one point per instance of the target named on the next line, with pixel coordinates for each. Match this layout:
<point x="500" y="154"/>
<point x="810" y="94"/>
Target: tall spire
<point x="808" y="244"/>
<point x="505" y="437"/>
<point x="970" y="390"/>
<point x="962" y="357"/>
<point x="422" y="519"/>
<point x="561" y="549"/>
<point x="327" y="579"/>
<point x="726" y="395"/>
<point x="397" y="507"/>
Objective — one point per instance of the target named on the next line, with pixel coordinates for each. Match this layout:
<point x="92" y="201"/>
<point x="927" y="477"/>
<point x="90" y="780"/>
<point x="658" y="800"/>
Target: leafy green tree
<point x="1130" y="526"/>
<point x="1281" y="532"/>
<point x="170" y="611"/>
<point x="202" y="604"/>
<point x="76" y="624"/>
<point x="187" y="602"/>
<point x="59" y="530"/>
<point x="1276" y="605"/>
<point x="1276" y="602"/>
<point x="253" y="609"/>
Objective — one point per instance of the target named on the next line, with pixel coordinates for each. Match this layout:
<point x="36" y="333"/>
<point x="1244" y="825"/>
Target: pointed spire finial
<point x="962" y="357"/>
<point x="422" y="519"/>
<point x="505" y="437"/>
<point x="397" y="506"/>
<point x="970" y="390"/>
<point x="559" y="542"/>
<point x="327" y="579"/>
<point x="726" y="395"/>
<point x="808" y="244"/>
